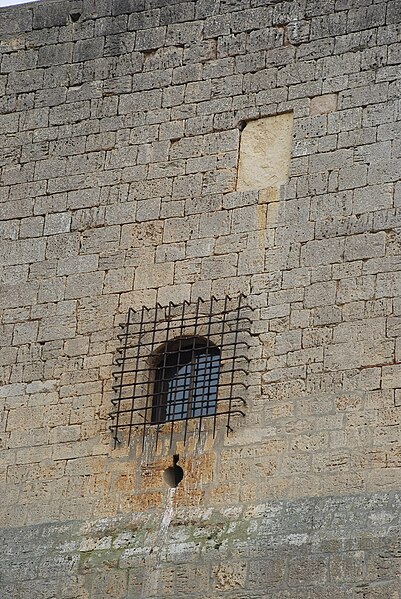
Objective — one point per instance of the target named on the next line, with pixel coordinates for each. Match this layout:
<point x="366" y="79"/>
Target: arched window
<point x="186" y="381"/>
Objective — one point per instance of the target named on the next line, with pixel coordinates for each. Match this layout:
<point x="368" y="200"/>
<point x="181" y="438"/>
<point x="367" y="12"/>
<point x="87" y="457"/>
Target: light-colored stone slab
<point x="265" y="152"/>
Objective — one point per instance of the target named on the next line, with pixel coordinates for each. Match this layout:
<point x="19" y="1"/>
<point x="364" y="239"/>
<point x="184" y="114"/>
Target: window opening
<point x="200" y="372"/>
<point x="186" y="382"/>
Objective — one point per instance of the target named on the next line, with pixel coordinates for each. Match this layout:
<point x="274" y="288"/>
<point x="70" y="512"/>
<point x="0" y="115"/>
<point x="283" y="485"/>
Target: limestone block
<point x="154" y="275"/>
<point x="319" y="294"/>
<point x="77" y="264"/>
<point x="181" y="229"/>
<point x="118" y="279"/>
<point x="170" y="252"/>
<point x="250" y="262"/>
<point x="31" y="227"/>
<point x="56" y="327"/>
<point x="85" y="284"/>
<point x="24" y="251"/>
<point x="265" y="152"/>
<point x="63" y="245"/>
<point x="8" y="355"/>
<point x="365" y="246"/>
<point x="323" y="104"/>
<point x="16" y="209"/>
<point x="217" y="267"/>
<point x="137" y="235"/>
<point x="214" y="224"/>
<point x="230" y="576"/>
<point x="25" y="332"/>
<point x="174" y="293"/>
<point x="136" y="299"/>
<point x="77" y="347"/>
<point x="51" y="290"/>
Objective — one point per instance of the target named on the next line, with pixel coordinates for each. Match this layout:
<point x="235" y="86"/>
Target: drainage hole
<point x="75" y="16"/>
<point x="174" y="474"/>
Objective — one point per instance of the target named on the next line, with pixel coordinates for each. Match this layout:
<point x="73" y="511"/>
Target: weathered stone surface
<point x="272" y="544"/>
<point x="127" y="177"/>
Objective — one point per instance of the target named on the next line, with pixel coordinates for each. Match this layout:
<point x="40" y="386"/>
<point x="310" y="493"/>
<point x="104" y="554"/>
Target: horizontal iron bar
<point x="199" y="388"/>
<point x="201" y="371"/>
<point x="133" y="410"/>
<point x="150" y="333"/>
<point x="170" y="422"/>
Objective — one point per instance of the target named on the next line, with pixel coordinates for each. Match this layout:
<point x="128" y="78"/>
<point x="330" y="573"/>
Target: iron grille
<point x="149" y="336"/>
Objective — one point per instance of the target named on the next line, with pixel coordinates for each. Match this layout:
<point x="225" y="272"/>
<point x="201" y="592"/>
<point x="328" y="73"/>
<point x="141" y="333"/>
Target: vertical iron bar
<point x="165" y="354"/>
<point x="149" y="382"/>
<point x="223" y="322"/>
<point x="191" y="386"/>
<point x="207" y="394"/>
<point x="137" y="358"/>
<point x="179" y="351"/>
<point x="233" y="363"/>
<point x="157" y="395"/>
<point x="120" y="390"/>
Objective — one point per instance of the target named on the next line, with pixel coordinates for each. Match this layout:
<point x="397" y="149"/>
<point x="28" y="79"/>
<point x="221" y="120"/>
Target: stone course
<point x="121" y="123"/>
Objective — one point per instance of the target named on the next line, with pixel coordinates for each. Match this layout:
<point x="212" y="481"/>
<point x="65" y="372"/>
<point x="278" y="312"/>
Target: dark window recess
<point x="187" y="379"/>
<point x="179" y="365"/>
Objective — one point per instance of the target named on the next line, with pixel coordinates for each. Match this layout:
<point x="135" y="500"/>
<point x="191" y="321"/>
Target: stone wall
<point x="125" y="180"/>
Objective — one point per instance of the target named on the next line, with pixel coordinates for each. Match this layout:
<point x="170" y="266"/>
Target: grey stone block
<point x="55" y="54"/>
<point x="17" y="21"/>
<point x="176" y="13"/>
<point x="150" y="39"/>
<point x="25" y="81"/>
<point x="45" y="16"/>
<point x="127" y="6"/>
<point x="88" y="49"/>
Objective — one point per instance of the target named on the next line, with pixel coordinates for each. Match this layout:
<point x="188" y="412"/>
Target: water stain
<point x="158" y="546"/>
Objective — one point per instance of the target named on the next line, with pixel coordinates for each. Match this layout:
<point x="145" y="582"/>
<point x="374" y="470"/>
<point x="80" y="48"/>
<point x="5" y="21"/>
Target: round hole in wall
<point x="174" y="474"/>
<point x="75" y="16"/>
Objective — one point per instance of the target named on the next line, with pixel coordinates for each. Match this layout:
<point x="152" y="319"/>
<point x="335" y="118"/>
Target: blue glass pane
<point x="206" y="378"/>
<point x="178" y="394"/>
<point x="186" y="383"/>
<point x="192" y="392"/>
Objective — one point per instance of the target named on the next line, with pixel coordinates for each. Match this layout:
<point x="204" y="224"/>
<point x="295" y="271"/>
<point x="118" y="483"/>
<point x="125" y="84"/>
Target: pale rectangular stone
<point x="323" y="104"/>
<point x="265" y="152"/>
